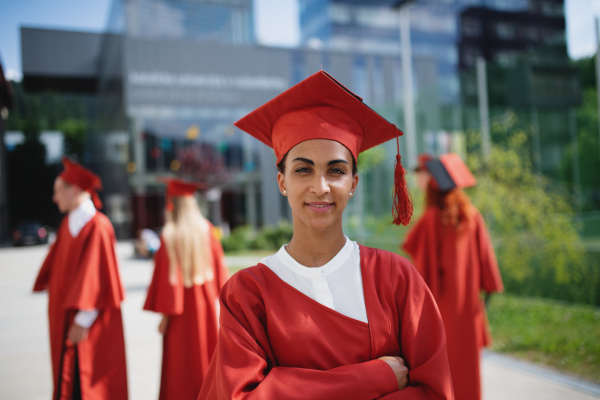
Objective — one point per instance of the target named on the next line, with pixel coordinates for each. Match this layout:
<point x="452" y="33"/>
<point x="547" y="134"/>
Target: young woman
<point x="189" y="273"/>
<point x="451" y="248"/>
<point x="324" y="317"/>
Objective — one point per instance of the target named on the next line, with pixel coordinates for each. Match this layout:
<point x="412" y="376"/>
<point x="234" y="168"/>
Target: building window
<point x="505" y="58"/>
<point x="552" y="9"/>
<point x="360" y="79"/>
<point x="470" y="55"/>
<point x="505" y="31"/>
<point x="471" y="28"/>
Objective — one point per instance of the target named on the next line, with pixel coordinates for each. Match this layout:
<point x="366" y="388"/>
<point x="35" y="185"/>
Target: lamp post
<point x="598" y="71"/>
<point x="407" y="80"/>
<point x="484" y="116"/>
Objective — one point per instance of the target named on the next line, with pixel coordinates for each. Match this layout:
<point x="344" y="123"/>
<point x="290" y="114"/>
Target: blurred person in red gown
<point x="451" y="248"/>
<point x="84" y="287"/>
<point x="188" y="275"/>
<point x="325" y="317"/>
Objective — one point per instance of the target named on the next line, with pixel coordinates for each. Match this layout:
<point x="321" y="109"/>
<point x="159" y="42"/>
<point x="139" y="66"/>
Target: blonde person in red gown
<point x="84" y="287"/>
<point x="188" y="275"/>
<point x="324" y="317"/>
<point x="451" y="248"/>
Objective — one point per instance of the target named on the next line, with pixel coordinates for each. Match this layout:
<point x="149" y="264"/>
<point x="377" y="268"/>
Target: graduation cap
<point x="77" y="175"/>
<point x="422" y="159"/>
<point x="450" y="172"/>
<point x="177" y="187"/>
<point x="320" y="107"/>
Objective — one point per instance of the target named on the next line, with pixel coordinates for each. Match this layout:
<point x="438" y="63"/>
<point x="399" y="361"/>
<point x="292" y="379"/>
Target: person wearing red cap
<point x="188" y="275"/>
<point x="325" y="317"/>
<point x="84" y="287"/>
<point x="451" y="248"/>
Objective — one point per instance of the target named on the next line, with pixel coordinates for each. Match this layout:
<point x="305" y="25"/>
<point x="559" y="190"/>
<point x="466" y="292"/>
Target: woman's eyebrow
<point x="311" y="162"/>
<point x="337" y="162"/>
<point x="302" y="159"/>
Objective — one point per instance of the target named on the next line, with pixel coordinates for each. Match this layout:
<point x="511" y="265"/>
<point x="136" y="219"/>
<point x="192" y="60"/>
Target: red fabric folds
<point x="457" y="266"/>
<point x="191" y="335"/>
<point x="82" y="273"/>
<point x="277" y="343"/>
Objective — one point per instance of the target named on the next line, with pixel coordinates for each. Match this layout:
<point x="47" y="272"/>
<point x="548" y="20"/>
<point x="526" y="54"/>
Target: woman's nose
<point x="320" y="186"/>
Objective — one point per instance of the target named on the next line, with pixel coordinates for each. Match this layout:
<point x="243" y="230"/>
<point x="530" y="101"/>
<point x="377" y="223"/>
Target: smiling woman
<point x="325" y="317"/>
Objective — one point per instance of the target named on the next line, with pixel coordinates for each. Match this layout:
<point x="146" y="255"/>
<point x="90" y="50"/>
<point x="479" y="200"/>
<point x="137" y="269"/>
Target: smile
<point x="319" y="207"/>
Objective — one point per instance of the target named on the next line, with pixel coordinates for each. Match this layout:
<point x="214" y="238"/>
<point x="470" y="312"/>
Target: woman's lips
<point x="319" y="206"/>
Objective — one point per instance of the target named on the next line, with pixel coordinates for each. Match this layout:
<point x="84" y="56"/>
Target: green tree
<point x="530" y="220"/>
<point x="74" y="131"/>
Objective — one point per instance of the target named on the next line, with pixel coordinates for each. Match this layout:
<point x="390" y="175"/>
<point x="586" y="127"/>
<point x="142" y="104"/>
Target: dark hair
<point x="281" y="165"/>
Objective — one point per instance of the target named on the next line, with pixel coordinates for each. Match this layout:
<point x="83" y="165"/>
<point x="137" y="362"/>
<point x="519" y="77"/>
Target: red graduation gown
<point x="82" y="273"/>
<point x="277" y="343"/>
<point x="191" y="336"/>
<point x="457" y="267"/>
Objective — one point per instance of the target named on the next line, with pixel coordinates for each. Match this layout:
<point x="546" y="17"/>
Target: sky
<point x="276" y="23"/>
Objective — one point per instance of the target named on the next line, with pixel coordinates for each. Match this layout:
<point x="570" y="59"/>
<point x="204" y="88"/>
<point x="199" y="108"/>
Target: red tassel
<point x="170" y="205"/>
<point x="96" y="200"/>
<point x="402" y="209"/>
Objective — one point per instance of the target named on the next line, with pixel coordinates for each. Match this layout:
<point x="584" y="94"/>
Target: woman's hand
<point x="77" y="333"/>
<point x="400" y="370"/>
<point x="164" y="324"/>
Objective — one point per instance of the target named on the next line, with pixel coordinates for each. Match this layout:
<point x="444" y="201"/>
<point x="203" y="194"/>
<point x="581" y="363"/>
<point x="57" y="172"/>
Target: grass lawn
<point x="561" y="335"/>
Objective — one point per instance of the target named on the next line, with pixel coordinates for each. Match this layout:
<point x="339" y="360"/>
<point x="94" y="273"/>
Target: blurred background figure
<point x="451" y="248"/>
<point x="189" y="273"/>
<point x="84" y="287"/>
<point x="147" y="243"/>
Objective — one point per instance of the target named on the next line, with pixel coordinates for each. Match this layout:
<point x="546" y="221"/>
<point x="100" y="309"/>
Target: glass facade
<point x="452" y="35"/>
<point x="168" y="99"/>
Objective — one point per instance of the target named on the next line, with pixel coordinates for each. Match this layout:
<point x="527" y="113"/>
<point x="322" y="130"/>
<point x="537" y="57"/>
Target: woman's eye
<point x="302" y="169"/>
<point x="338" y="171"/>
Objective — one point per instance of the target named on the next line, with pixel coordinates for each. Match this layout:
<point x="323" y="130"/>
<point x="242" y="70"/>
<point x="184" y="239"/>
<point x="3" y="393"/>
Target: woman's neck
<point x="315" y="249"/>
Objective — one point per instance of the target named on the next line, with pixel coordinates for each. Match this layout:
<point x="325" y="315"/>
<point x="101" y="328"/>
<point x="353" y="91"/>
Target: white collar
<point x="81" y="216"/>
<point x="337" y="261"/>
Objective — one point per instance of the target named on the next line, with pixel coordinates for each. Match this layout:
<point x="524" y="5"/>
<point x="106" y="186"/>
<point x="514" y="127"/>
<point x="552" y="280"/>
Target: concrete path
<point x="24" y="351"/>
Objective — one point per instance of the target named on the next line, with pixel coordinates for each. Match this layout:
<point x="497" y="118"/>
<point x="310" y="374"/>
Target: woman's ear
<point x="354" y="183"/>
<point x="281" y="183"/>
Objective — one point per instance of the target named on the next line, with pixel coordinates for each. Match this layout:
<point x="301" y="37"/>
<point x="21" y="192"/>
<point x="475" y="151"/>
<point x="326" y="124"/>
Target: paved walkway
<point x="24" y="352"/>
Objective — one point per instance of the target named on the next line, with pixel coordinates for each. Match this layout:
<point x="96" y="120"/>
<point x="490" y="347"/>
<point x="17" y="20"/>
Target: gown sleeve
<point x="242" y="366"/>
<point x="423" y="343"/>
<point x="97" y="283"/>
<point x="491" y="280"/>
<point x="43" y="278"/>
<point x="164" y="297"/>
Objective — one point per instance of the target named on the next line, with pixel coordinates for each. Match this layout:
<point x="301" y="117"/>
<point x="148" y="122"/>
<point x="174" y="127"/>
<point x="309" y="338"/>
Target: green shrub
<point x="531" y="223"/>
<point x="268" y="238"/>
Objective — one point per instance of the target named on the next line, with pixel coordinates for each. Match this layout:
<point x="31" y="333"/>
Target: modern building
<point x="166" y="101"/>
<point x="523" y="42"/>
<point x="170" y="78"/>
<point x="6" y="103"/>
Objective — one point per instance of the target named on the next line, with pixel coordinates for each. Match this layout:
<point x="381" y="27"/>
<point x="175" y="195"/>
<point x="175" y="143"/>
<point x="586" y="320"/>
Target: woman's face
<point x="318" y="183"/>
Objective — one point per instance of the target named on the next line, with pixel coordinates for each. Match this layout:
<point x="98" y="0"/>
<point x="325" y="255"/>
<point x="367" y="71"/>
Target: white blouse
<point x="337" y="284"/>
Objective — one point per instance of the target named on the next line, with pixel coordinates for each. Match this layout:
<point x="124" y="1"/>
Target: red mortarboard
<point x="422" y="159"/>
<point x="450" y="172"/>
<point x="82" y="177"/>
<point x="320" y="107"/>
<point x="178" y="187"/>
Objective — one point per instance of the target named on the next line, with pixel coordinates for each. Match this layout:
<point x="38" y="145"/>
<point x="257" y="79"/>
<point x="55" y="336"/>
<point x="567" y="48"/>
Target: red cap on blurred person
<point x="422" y="159"/>
<point x="450" y="172"/>
<point x="177" y="187"/>
<point x="83" y="178"/>
<point x="319" y="107"/>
